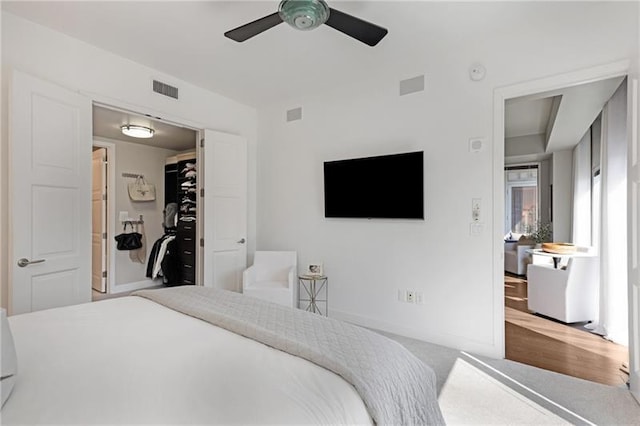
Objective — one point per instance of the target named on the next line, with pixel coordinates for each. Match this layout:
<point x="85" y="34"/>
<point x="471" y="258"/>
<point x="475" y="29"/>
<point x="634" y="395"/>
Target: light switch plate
<point x="476" y="208"/>
<point x="476" y="228"/>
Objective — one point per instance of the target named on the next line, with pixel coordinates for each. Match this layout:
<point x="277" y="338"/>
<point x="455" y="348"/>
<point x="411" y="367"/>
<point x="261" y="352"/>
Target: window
<point x="522" y="206"/>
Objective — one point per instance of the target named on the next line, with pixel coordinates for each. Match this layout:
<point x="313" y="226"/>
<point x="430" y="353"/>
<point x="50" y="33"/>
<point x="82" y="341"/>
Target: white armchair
<point x="516" y="257"/>
<point x="272" y="277"/>
<point x="569" y="295"/>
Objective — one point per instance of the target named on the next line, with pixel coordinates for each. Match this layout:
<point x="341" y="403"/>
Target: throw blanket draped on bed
<point x="396" y="387"/>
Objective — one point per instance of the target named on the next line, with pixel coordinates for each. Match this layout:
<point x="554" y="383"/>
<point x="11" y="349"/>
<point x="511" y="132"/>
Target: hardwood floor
<point x="552" y="345"/>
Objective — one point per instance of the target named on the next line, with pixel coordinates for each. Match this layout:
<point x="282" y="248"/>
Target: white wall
<point x="562" y="164"/>
<point x="367" y="261"/>
<point x="81" y="67"/>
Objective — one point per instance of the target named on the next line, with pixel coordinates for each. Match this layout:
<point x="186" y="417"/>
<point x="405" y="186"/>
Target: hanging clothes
<point x="170" y="215"/>
<point x="171" y="264"/>
<point x="157" y="267"/>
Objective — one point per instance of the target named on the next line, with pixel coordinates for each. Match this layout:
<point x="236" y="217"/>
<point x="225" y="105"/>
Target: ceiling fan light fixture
<point x="137" y="131"/>
<point x="304" y="14"/>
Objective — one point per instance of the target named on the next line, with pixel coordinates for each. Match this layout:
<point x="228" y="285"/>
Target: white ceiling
<point x="561" y="117"/>
<point x="185" y="39"/>
<point x="527" y="118"/>
<point x="107" y="123"/>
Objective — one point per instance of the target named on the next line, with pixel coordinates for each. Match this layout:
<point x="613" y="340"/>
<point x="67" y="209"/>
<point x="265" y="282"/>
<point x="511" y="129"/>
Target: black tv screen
<point x="384" y="187"/>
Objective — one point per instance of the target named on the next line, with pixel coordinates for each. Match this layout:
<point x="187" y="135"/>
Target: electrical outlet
<point x="411" y="296"/>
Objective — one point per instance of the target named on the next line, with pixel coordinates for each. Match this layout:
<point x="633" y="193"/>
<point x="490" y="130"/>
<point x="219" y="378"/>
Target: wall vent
<point x="165" y="89"/>
<point x="294" y="114"/>
<point x="412" y="85"/>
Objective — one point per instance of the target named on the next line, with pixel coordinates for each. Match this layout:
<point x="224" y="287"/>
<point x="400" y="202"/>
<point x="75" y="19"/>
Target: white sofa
<point x="569" y="295"/>
<point x="516" y="257"/>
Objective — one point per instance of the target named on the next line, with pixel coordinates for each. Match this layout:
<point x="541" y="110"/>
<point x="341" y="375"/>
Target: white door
<point x="634" y="237"/>
<point x="225" y="208"/>
<point x="99" y="221"/>
<point x="50" y="196"/>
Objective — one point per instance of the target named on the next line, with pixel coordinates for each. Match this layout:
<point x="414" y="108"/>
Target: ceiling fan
<point x="307" y="15"/>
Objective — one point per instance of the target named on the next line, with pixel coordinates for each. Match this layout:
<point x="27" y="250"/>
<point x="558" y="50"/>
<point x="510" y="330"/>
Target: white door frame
<point x="111" y="208"/>
<point x="616" y="69"/>
<point x="633" y="242"/>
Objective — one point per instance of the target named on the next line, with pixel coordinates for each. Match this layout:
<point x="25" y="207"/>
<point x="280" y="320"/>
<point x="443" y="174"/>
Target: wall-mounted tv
<point x="383" y="187"/>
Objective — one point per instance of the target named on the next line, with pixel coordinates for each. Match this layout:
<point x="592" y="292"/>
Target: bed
<point x="135" y="360"/>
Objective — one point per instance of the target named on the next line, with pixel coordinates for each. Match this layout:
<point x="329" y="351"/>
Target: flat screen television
<point x="383" y="187"/>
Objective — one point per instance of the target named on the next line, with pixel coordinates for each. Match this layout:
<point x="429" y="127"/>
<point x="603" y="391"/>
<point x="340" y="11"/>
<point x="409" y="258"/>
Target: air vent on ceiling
<point x="294" y="114"/>
<point x="165" y="89"/>
<point x="412" y="85"/>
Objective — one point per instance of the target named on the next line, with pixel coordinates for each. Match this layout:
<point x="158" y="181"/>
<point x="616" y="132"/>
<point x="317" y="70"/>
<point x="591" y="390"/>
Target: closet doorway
<point x="128" y="159"/>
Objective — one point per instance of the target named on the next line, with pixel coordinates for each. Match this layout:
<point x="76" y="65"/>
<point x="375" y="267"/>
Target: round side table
<point x="311" y="290"/>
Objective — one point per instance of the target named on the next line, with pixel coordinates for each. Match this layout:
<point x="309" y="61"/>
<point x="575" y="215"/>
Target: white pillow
<point x="9" y="359"/>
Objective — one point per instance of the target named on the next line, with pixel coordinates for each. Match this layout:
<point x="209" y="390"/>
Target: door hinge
<point x="201" y="242"/>
<point x="104" y="274"/>
<point x="104" y="235"/>
<point x="201" y="192"/>
<point x="202" y="143"/>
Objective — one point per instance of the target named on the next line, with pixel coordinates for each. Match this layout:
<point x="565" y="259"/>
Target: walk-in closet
<point x="145" y="210"/>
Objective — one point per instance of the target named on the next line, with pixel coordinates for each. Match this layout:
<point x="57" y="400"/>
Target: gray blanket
<point x="397" y="388"/>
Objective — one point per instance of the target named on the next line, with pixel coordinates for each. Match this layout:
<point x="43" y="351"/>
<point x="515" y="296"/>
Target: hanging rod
<point x="133" y="222"/>
<point x="132" y="175"/>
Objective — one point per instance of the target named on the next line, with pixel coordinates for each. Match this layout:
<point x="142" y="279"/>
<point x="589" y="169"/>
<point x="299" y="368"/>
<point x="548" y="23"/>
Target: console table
<point x="311" y="290"/>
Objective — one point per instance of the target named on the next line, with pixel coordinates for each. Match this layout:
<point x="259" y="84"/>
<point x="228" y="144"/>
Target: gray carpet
<point x="591" y="402"/>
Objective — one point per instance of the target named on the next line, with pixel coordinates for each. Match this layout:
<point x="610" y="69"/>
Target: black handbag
<point x="128" y="240"/>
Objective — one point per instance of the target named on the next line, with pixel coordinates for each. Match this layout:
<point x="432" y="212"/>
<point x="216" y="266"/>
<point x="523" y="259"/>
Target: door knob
<point x="241" y="241"/>
<point x="25" y="262"/>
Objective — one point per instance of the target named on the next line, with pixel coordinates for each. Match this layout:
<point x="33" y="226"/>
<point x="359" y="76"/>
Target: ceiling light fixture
<point x="137" y="131"/>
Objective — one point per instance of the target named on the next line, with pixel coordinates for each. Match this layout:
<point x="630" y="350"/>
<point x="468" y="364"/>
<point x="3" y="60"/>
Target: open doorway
<point x="560" y="130"/>
<point x="167" y="164"/>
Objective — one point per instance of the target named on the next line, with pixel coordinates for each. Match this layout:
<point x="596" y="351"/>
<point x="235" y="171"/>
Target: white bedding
<point x="109" y="363"/>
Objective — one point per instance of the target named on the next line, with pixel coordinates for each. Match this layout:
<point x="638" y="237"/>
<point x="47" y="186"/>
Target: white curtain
<point x="581" y="221"/>
<point x="612" y="319"/>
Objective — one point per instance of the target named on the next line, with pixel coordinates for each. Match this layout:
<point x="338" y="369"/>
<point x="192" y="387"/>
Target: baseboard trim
<point x="137" y="285"/>
<point x="448" y="340"/>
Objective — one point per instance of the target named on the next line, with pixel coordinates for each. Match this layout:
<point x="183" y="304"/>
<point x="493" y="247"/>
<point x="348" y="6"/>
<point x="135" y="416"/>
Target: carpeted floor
<point x="470" y="396"/>
<point x="571" y="400"/>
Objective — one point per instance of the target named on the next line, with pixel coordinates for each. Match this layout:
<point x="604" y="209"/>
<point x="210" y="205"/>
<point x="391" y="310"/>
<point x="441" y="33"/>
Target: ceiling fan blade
<point x="364" y="31"/>
<point x="246" y="31"/>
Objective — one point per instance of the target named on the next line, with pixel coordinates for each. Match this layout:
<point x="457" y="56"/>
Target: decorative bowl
<point x="559" y="248"/>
